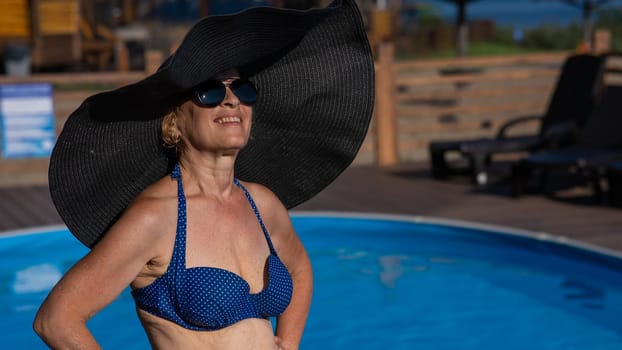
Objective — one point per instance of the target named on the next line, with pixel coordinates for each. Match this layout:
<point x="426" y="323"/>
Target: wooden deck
<point x="406" y="190"/>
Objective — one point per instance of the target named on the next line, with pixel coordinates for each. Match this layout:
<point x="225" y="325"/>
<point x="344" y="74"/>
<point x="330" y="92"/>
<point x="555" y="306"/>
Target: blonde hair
<point x="171" y="136"/>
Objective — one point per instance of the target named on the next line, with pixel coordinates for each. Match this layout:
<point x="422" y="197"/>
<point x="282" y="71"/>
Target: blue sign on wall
<point x="27" y="120"/>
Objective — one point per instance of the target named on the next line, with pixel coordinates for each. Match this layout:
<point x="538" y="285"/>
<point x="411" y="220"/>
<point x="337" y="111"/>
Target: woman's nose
<point x="230" y="98"/>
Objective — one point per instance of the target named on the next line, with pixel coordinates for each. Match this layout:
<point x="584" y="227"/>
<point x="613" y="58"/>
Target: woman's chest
<point x="229" y="239"/>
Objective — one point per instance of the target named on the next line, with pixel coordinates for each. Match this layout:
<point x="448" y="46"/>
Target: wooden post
<point x="153" y="60"/>
<point x="386" y="127"/>
<point x="122" y="56"/>
<point x="128" y="11"/>
<point x="203" y="8"/>
<point x="381" y="25"/>
<point x="602" y="42"/>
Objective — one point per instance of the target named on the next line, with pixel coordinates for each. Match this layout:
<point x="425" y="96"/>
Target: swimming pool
<point x="383" y="282"/>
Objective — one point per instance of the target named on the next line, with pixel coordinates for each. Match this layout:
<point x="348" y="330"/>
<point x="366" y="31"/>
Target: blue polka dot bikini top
<point x="210" y="298"/>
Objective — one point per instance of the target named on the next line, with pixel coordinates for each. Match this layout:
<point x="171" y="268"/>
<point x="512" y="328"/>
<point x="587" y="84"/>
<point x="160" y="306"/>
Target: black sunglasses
<point x="212" y="92"/>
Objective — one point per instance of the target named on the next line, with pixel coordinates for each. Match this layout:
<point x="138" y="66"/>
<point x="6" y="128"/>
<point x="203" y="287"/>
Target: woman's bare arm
<point x="290" y="324"/>
<point x="98" y="278"/>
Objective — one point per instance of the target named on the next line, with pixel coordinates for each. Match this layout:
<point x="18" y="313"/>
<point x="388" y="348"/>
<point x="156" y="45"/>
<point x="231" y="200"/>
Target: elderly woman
<point x="181" y="199"/>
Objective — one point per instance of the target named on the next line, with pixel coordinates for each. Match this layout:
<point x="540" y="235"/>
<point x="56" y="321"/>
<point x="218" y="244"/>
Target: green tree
<point x="587" y="7"/>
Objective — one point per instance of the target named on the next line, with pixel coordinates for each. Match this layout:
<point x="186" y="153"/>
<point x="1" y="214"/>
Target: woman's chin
<point x="231" y="146"/>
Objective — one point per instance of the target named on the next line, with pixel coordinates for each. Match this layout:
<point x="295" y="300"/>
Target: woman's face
<point x="223" y="128"/>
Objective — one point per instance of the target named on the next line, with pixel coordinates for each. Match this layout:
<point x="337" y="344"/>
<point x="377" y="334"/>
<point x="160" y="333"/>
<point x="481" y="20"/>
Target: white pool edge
<point x="34" y="230"/>
<point x="489" y="228"/>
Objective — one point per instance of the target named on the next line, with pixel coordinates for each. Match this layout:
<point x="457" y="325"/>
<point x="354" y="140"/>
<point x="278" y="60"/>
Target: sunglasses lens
<point x="211" y="93"/>
<point x="245" y="91"/>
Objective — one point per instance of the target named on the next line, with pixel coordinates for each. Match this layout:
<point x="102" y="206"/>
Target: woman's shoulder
<point x="155" y="201"/>
<point x="163" y="189"/>
<point x="273" y="212"/>
<point x="148" y="218"/>
<point x="262" y="194"/>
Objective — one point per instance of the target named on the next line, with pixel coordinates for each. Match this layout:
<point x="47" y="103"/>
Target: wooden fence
<point x="443" y="99"/>
<point x="416" y="101"/>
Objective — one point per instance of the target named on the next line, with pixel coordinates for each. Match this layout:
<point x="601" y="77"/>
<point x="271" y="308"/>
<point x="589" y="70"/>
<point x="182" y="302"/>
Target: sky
<point x="516" y="13"/>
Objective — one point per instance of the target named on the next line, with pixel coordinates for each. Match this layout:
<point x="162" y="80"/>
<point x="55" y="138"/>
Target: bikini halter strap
<point x="256" y="211"/>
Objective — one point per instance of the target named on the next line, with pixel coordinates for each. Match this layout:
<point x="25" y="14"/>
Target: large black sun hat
<point x="315" y="75"/>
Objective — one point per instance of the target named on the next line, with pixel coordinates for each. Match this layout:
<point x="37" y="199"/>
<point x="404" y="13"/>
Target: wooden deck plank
<point x="406" y="190"/>
<point x="370" y="189"/>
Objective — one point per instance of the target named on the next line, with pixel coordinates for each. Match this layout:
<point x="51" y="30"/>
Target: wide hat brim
<point x="315" y="75"/>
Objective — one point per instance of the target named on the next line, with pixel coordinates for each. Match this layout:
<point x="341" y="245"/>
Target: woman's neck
<point x="208" y="175"/>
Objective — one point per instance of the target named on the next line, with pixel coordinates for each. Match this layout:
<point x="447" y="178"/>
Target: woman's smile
<point x="227" y="120"/>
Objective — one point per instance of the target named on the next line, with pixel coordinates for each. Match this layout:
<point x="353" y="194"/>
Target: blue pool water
<point x="382" y="283"/>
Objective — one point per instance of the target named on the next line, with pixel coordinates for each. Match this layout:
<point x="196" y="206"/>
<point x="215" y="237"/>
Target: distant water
<point x="516" y="13"/>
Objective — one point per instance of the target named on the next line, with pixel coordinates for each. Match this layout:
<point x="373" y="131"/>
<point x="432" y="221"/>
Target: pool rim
<point x="492" y="229"/>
